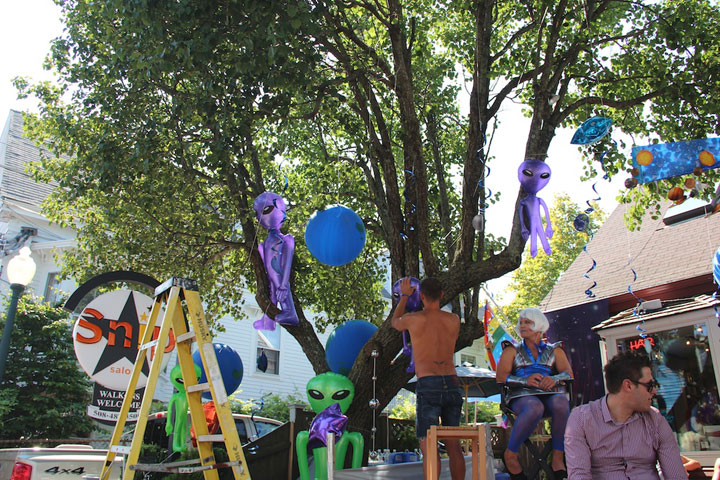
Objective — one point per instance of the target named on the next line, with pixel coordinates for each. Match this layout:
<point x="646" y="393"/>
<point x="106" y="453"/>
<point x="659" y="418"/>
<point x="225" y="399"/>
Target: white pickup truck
<point x="64" y="462"/>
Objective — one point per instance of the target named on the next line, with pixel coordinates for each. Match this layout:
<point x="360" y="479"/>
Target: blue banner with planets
<point x="667" y="160"/>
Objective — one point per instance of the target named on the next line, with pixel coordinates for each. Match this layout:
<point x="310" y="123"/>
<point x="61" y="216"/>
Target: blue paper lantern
<point x="344" y="344"/>
<point x="335" y="236"/>
<point x="231" y="368"/>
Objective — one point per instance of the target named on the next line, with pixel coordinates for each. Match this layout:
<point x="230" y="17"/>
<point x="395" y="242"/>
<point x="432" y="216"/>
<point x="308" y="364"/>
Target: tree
<point x="173" y="116"/>
<point x="536" y="276"/>
<point x="44" y="393"/>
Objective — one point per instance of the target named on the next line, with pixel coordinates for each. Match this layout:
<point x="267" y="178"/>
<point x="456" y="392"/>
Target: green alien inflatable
<point x="178" y="401"/>
<point x="330" y="395"/>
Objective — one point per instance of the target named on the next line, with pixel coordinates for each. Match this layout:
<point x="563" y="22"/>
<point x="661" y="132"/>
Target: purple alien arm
<point x="277" y="254"/>
<point x="533" y="176"/>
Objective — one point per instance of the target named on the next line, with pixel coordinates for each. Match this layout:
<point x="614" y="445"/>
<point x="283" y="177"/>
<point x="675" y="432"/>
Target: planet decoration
<point x="231" y="368"/>
<point x="413" y="303"/>
<point x="630" y="183"/>
<point x="592" y="130"/>
<point x="644" y="158"/>
<point x="345" y="342"/>
<point x="677" y="195"/>
<point x="581" y="222"/>
<point x="335" y="236"/>
<point x="716" y="266"/>
<point x="706" y="158"/>
<point x="675" y="159"/>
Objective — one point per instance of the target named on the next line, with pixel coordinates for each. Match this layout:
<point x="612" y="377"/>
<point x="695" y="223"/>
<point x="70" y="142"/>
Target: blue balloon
<point x="335" y="236"/>
<point x="592" y="130"/>
<point x="231" y="368"/>
<point x="344" y="344"/>
<point x="716" y="266"/>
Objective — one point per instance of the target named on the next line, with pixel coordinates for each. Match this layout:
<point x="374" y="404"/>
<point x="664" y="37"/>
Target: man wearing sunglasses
<point x="621" y="436"/>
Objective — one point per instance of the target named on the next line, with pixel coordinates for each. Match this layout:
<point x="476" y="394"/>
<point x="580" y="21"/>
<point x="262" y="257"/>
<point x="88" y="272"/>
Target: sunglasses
<point x="650" y="386"/>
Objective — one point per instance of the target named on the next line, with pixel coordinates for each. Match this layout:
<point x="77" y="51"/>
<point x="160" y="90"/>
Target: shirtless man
<point x="433" y="333"/>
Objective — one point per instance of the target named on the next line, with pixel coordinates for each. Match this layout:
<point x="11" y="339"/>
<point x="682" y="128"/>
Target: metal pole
<point x="331" y="456"/>
<point x="17" y="290"/>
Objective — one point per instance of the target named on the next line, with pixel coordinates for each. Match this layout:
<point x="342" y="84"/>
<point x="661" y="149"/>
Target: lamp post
<point x="20" y="272"/>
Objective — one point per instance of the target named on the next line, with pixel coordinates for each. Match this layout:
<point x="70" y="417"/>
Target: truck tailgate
<point x="69" y="466"/>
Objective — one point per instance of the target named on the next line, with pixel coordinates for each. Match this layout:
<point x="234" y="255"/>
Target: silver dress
<point x="524" y="363"/>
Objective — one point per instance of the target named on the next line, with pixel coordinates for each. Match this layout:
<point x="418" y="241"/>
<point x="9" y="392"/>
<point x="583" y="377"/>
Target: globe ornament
<point x="335" y="236"/>
<point x="374" y="403"/>
<point x="581" y="222"/>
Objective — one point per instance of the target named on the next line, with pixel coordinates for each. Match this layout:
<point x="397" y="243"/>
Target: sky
<point x="27" y="27"/>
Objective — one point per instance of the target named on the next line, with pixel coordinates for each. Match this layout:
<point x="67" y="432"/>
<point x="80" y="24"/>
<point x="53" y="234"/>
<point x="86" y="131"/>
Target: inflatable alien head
<point x="270" y="210"/>
<point x="533" y="175"/>
<point x="329" y="388"/>
<point x="176" y="377"/>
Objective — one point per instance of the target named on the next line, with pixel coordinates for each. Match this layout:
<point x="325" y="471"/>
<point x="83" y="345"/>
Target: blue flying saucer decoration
<point x="592" y="130"/>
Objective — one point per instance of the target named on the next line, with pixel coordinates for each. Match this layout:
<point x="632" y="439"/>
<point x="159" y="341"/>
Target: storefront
<point x="683" y="342"/>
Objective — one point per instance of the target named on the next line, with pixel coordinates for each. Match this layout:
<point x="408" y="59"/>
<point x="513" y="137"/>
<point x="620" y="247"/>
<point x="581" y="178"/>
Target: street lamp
<point x="20" y="272"/>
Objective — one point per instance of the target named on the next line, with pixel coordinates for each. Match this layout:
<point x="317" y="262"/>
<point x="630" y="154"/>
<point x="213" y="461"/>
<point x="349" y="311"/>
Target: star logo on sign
<point x="121" y="335"/>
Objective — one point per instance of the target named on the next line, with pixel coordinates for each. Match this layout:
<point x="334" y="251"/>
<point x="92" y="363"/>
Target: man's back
<point x="434" y="333"/>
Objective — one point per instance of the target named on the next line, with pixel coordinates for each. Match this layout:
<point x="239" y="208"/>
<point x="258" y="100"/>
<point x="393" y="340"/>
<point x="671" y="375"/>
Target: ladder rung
<point x="121" y="449"/>
<point x="181" y="467"/>
<point x="184" y="283"/>
<point x="185" y="337"/>
<point x="200" y="387"/>
<point x="211" y="438"/>
<point x="145" y="346"/>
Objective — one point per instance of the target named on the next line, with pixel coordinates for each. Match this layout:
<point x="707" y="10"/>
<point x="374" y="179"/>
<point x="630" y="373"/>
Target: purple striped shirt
<point x="598" y="448"/>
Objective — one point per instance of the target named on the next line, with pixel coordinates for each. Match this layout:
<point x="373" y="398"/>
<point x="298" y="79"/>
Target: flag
<point x="495" y="333"/>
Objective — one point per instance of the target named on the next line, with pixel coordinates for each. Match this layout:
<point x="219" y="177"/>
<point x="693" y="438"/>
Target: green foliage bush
<point x="44" y="393"/>
<point x="273" y="406"/>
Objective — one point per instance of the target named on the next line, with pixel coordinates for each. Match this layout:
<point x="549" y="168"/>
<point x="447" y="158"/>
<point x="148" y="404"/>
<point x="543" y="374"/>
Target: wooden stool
<point x="476" y="434"/>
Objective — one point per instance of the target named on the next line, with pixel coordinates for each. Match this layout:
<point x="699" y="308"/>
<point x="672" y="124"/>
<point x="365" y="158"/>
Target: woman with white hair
<point x="532" y="370"/>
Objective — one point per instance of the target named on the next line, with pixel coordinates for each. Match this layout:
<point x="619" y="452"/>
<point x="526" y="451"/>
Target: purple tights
<point x="530" y="410"/>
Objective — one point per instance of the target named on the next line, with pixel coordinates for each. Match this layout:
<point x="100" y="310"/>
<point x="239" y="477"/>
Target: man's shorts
<point x="438" y="396"/>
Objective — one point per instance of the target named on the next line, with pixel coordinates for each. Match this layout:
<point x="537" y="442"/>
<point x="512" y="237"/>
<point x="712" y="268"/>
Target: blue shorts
<point x="438" y="396"/>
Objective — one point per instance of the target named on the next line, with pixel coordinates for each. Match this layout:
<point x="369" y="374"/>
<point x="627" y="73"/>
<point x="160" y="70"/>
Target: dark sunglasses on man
<point x="652" y="385"/>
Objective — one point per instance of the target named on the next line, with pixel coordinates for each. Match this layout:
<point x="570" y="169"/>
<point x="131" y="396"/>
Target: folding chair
<point x="539" y="456"/>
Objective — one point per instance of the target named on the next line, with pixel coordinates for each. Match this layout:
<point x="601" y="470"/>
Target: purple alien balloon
<point x="413" y="301"/>
<point x="277" y="253"/>
<point x="533" y="176"/>
<point x="413" y="304"/>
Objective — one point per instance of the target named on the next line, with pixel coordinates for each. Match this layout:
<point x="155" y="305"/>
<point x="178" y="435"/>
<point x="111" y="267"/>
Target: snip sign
<point x="107" y="334"/>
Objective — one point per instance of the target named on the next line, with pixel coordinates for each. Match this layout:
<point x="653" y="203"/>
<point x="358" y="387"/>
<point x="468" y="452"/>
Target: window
<point x="467" y="359"/>
<point x="688" y="394"/>
<point x="269" y="343"/>
<point x="264" y="427"/>
<point x="51" y="288"/>
<point x="242" y="431"/>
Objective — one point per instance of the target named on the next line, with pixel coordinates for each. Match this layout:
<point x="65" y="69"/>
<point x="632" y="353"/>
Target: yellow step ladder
<point x="171" y="295"/>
